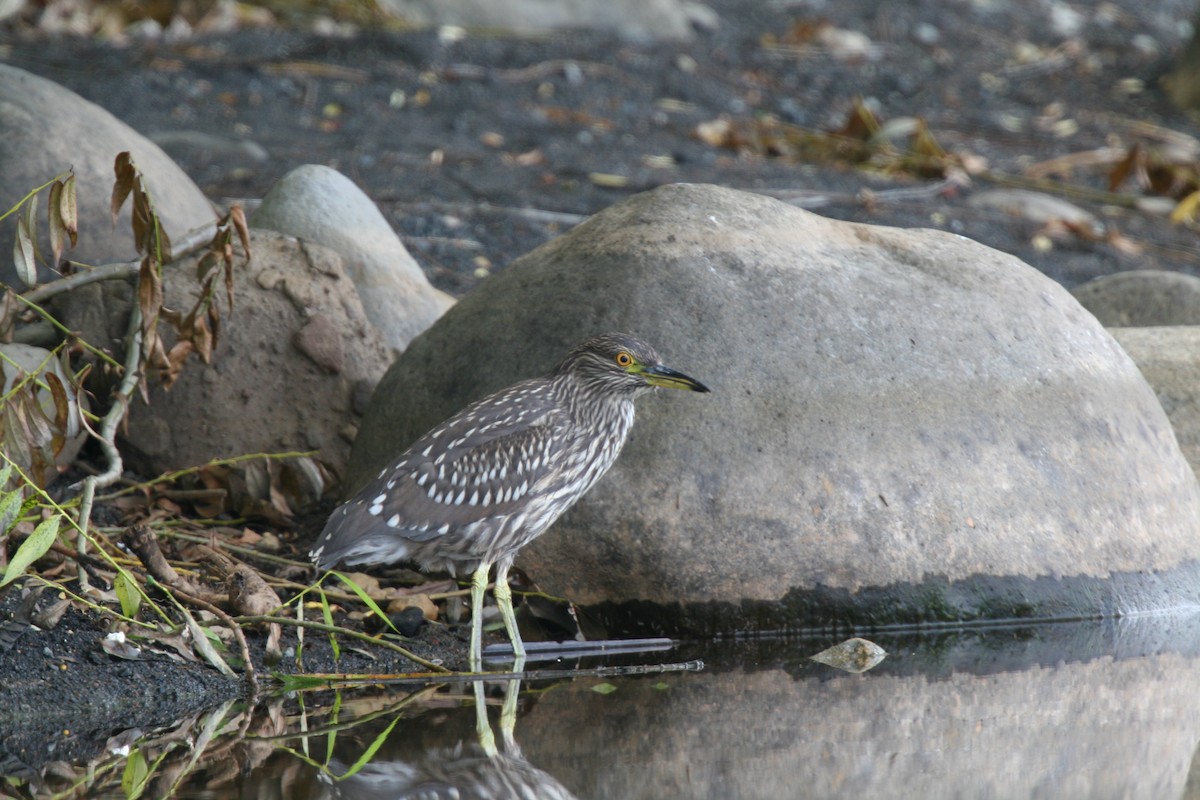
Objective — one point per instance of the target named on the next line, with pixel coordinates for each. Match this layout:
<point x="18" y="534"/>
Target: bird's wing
<point x="477" y="465"/>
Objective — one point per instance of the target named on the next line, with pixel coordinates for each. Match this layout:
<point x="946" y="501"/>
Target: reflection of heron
<point x="465" y="771"/>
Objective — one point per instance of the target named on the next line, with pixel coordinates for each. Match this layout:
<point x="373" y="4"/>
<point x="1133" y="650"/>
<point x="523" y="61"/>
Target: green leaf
<point x="31" y="549"/>
<point x="128" y="593"/>
<point x="299" y="683"/>
<point x="369" y="753"/>
<point x="604" y="688"/>
<point x="24" y="258"/>
<point x="10" y="508"/>
<point x="133" y="780"/>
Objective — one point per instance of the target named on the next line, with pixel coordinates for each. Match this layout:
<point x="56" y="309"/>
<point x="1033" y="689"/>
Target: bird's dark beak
<point x="670" y="379"/>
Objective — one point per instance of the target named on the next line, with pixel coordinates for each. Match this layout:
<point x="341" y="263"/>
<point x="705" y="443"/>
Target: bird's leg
<point x="478" y="585"/>
<point x="504" y="603"/>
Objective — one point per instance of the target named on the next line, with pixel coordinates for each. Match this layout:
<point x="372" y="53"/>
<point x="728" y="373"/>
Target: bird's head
<point x="623" y="363"/>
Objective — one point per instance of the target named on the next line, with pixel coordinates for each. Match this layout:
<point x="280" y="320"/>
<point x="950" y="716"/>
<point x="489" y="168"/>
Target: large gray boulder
<point x="905" y="426"/>
<point x="47" y="129"/>
<point x="320" y="204"/>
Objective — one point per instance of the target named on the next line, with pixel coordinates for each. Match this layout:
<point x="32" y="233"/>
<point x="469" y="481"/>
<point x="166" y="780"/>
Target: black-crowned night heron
<point x="487" y="481"/>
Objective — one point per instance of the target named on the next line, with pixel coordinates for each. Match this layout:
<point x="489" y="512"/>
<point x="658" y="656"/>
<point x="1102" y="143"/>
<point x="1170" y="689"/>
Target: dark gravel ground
<point x="481" y="149"/>
<point x="523" y="124"/>
<point x="62" y="696"/>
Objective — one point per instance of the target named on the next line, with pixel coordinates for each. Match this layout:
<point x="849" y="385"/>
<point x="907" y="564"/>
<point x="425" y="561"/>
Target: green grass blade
<point x="366" y="598"/>
<point x="327" y="614"/>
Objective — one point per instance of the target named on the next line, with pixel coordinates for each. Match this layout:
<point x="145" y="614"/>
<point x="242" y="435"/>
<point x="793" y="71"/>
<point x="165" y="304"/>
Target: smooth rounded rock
<point x="1142" y="298"/>
<point x="905" y="426"/>
<point x="47" y="129"/>
<point x="1169" y="358"/>
<point x="319" y="204"/>
<point x="634" y="19"/>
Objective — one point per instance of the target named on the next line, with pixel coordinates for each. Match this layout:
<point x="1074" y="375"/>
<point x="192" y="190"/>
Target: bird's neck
<point x="611" y="411"/>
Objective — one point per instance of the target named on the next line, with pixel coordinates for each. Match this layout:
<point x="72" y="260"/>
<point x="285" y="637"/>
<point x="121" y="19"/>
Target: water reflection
<point x="475" y="769"/>
<point x="1096" y="709"/>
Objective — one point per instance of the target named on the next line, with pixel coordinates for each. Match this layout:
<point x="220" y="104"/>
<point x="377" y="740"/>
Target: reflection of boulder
<point x="1005" y="726"/>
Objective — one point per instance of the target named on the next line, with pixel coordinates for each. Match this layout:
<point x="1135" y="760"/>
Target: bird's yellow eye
<point x="624" y="359"/>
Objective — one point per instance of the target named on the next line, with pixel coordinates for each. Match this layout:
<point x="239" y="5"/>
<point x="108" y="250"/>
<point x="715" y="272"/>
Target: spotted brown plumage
<point x="491" y="478"/>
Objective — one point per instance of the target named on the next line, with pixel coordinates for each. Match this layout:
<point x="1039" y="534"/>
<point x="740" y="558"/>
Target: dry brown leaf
<point x="58" y="230"/>
<point x="421" y="601"/>
<point x="68" y="209"/>
<point x="126" y="175"/>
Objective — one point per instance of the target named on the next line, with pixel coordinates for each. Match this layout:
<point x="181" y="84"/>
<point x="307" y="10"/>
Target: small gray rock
<point x="632" y="19"/>
<point x="1169" y="358"/>
<point x="1142" y="298"/>
<point x="319" y="204"/>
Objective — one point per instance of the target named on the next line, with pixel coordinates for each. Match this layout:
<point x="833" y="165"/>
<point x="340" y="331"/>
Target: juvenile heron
<point x="492" y="478"/>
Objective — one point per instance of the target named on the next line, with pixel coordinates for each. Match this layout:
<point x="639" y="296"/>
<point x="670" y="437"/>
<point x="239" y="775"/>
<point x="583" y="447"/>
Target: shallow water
<point x="1095" y="709"/>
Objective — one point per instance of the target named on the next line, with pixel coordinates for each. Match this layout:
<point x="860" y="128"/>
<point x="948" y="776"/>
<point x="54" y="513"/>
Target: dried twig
<point x="142" y="541"/>
<point x="189" y="243"/>
<point x="107" y="435"/>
